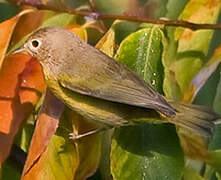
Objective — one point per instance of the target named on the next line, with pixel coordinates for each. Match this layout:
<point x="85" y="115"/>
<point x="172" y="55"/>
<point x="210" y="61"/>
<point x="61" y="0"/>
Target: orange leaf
<point x="30" y="21"/>
<point x="78" y="30"/>
<point x="46" y="126"/>
<point x="33" y="82"/>
<point x="16" y="99"/>
<point x="6" y="29"/>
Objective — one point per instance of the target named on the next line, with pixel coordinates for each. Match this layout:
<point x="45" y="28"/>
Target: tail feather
<point x="199" y="119"/>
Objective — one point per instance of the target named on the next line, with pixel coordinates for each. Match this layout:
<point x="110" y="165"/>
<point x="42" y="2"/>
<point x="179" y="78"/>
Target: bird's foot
<point x="76" y="137"/>
<point x="79" y="136"/>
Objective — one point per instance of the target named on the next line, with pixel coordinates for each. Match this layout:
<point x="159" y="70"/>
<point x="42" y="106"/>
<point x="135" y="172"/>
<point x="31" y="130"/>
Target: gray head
<point x="52" y="44"/>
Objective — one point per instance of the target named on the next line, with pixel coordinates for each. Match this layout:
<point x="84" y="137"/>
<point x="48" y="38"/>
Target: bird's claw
<point x="72" y="136"/>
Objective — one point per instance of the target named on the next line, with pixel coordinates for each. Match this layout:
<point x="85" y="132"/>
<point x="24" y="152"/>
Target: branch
<point x="98" y="16"/>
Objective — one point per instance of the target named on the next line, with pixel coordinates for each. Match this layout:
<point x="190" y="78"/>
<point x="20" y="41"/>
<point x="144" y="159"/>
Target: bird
<point x="105" y="91"/>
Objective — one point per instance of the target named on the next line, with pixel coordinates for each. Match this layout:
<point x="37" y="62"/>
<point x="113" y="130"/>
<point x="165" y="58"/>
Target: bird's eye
<point x="35" y="43"/>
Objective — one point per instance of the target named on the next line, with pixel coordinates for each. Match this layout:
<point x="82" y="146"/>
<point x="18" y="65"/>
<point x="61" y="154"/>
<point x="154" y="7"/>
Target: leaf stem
<point x="99" y="16"/>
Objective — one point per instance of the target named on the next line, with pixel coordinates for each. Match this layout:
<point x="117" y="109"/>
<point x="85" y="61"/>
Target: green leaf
<point x="7" y="10"/>
<point x="62" y="19"/>
<point x="111" y="7"/>
<point x="193" y="45"/>
<point x="202" y="77"/>
<point x="10" y="171"/>
<point x="57" y="161"/>
<point x="170" y="86"/>
<point x="24" y="138"/>
<point x="107" y="43"/>
<point x="215" y="160"/>
<point x="170" y="9"/>
<point x="217" y="103"/>
<point x="141" y="52"/>
<point x="190" y="173"/>
<point x="64" y="158"/>
<point x="145" y="151"/>
<point x="215" y="153"/>
<point x="193" y="65"/>
<point x="174" y="8"/>
<point x="123" y="29"/>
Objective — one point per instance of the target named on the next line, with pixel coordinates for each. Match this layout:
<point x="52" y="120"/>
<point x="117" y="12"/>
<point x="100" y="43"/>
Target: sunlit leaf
<point x="46" y="126"/>
<point x="172" y="9"/>
<point x="55" y="156"/>
<point x="199" y="148"/>
<point x="6" y="29"/>
<point x="193" y="46"/>
<point x="62" y="19"/>
<point x="201" y="78"/>
<point x="107" y="42"/>
<point x="23" y="139"/>
<point x="170" y="85"/>
<point x="141" y="152"/>
<point x="141" y="51"/>
<point x="21" y="84"/>
<point x="191" y="174"/>
<point x="56" y="162"/>
<point x="195" y="147"/>
<point x="79" y="30"/>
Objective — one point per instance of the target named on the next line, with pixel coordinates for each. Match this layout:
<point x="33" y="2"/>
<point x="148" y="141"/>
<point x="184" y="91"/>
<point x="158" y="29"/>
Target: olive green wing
<point x="124" y="87"/>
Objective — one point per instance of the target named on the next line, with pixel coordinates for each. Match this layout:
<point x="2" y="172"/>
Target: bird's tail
<point x="198" y="119"/>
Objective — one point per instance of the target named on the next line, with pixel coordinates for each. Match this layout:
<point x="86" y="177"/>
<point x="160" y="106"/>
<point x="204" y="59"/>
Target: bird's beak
<point x="20" y="50"/>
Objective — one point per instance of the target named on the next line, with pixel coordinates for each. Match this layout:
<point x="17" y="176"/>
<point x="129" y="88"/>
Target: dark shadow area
<point x="144" y="139"/>
<point x="191" y="54"/>
<point x="7" y="10"/>
<point x="17" y="157"/>
<point x="207" y="93"/>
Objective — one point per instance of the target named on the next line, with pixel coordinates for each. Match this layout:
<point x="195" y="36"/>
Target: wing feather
<point x="115" y="82"/>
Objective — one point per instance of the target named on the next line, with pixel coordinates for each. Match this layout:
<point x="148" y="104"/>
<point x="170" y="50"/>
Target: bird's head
<point x="48" y="44"/>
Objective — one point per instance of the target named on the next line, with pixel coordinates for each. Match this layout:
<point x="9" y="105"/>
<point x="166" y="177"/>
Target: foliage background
<point x="180" y="63"/>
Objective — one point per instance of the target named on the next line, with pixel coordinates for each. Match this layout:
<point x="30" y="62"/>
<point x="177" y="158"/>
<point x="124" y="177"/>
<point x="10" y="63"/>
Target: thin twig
<point x="99" y="16"/>
<point x="94" y="10"/>
<point x="92" y="5"/>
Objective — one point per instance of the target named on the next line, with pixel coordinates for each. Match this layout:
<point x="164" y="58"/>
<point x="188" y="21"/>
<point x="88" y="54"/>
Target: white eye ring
<point x="35" y="44"/>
